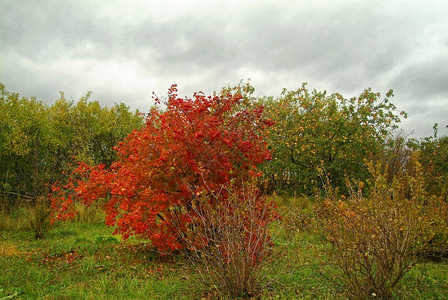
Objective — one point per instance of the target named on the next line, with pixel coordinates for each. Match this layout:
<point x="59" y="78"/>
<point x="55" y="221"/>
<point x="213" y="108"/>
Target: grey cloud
<point x="263" y="38"/>
<point x="423" y="91"/>
<point x="427" y="79"/>
<point x="31" y="29"/>
<point x="344" y="46"/>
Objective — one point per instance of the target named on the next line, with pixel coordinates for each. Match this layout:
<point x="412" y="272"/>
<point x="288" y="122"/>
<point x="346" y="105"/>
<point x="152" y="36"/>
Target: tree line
<point x="315" y="137"/>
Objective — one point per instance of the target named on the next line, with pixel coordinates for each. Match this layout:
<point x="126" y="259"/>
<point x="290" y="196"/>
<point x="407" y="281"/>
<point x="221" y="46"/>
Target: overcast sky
<point x="124" y="50"/>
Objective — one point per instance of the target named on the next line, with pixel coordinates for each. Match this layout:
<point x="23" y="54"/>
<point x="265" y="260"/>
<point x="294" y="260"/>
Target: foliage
<point x="25" y="140"/>
<point x="432" y="153"/>
<point x="399" y="158"/>
<point x="377" y="239"/>
<point x="37" y="141"/>
<point x="315" y="130"/>
<point x="89" y="132"/>
<point x="191" y="148"/>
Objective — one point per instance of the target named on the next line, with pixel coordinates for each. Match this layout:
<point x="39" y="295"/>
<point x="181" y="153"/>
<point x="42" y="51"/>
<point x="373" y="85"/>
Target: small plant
<point x="89" y="214"/>
<point x="231" y="240"/>
<point x="26" y="217"/>
<point x="376" y="239"/>
<point x="40" y="222"/>
<point x="297" y="213"/>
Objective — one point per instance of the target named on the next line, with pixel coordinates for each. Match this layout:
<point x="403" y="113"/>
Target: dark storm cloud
<point x="122" y="53"/>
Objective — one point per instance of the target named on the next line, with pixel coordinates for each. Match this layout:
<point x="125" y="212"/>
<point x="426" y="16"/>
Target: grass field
<point x="84" y="260"/>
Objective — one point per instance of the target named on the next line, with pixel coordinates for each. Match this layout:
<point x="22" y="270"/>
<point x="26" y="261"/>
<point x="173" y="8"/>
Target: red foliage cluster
<point x="192" y="147"/>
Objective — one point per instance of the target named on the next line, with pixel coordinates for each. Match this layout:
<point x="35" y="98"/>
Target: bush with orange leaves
<point x="377" y="239"/>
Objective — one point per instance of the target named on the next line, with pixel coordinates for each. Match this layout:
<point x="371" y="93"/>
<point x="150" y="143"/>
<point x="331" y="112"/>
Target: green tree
<point x="38" y="141"/>
<point x="88" y="132"/>
<point x="316" y="133"/>
<point x="25" y="142"/>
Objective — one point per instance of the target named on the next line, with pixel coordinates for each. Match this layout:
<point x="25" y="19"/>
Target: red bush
<point x="193" y="146"/>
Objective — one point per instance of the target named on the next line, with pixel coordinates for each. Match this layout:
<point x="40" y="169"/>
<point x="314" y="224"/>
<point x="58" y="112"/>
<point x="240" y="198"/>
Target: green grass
<point x="86" y="261"/>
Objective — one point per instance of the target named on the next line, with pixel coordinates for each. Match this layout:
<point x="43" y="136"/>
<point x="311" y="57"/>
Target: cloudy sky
<point x="125" y="50"/>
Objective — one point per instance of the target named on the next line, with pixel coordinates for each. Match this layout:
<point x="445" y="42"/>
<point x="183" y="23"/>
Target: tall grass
<point x="33" y="216"/>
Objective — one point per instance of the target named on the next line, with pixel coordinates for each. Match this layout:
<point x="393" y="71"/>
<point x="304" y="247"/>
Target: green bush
<point x="377" y="239"/>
